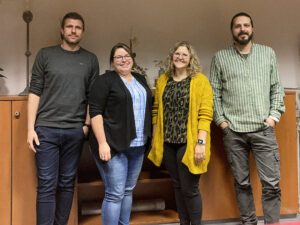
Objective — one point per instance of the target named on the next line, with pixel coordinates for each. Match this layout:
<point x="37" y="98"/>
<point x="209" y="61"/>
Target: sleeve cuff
<point x="220" y="120"/>
<point x="274" y="118"/>
<point x="204" y="126"/>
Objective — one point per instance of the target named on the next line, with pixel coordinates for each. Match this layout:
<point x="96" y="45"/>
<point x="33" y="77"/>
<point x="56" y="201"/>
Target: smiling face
<point x="72" y="32"/>
<point x="181" y="58"/>
<point x="242" y="30"/>
<point x="122" y="61"/>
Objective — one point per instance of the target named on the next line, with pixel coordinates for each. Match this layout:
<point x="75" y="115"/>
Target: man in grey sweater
<point x="248" y="100"/>
<point x="57" y="118"/>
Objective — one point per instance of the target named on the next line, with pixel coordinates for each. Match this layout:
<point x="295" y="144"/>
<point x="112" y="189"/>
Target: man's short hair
<point x="238" y="15"/>
<point x="72" y="15"/>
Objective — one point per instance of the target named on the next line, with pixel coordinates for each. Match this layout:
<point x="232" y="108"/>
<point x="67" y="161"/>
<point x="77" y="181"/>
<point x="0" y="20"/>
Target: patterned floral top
<point x="176" y="99"/>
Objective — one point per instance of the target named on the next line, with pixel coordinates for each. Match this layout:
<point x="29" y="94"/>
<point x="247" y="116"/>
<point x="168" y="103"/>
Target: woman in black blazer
<point x="120" y="111"/>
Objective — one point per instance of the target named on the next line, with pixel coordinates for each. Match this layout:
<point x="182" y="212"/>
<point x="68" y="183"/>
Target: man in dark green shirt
<point x="248" y="101"/>
<point x="57" y="118"/>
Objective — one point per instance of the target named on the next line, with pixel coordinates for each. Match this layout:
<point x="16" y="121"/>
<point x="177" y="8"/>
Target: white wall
<point x="157" y="25"/>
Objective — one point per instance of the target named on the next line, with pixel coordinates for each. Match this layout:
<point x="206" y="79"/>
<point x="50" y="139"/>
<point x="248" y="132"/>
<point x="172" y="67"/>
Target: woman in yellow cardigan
<point x="182" y="113"/>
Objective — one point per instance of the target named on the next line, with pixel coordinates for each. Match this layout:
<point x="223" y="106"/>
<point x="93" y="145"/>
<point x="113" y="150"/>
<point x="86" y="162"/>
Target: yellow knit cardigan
<point x="199" y="118"/>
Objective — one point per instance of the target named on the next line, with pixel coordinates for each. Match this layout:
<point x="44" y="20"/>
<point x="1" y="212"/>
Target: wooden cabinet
<point x="18" y="197"/>
<point x="17" y="166"/>
<point x="5" y="163"/>
<point x="18" y="176"/>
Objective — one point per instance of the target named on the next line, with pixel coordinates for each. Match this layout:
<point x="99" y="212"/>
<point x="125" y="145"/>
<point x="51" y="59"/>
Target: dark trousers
<point x="57" y="159"/>
<point x="264" y="148"/>
<point x="186" y="185"/>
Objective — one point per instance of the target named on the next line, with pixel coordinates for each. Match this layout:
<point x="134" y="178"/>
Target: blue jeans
<point x="264" y="148"/>
<point x="120" y="176"/>
<point x="57" y="159"/>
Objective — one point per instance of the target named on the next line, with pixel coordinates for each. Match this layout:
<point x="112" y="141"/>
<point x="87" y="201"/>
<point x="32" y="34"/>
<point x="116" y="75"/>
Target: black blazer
<point x="110" y="98"/>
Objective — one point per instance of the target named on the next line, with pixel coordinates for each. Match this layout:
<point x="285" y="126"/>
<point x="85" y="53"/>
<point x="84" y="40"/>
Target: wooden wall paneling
<point x="5" y="163"/>
<point x="286" y="134"/>
<point x="216" y="186"/>
<point x="287" y="139"/>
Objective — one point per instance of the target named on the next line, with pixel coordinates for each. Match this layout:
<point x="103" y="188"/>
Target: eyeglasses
<point x="121" y="58"/>
<point x="178" y="55"/>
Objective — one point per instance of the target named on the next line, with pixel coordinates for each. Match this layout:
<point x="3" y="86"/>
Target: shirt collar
<point x="238" y="52"/>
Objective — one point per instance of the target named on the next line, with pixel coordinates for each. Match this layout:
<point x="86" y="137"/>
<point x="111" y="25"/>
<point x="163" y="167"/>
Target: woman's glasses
<point x="120" y="58"/>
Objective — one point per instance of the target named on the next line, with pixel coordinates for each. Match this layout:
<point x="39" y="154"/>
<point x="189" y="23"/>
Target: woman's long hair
<point x="194" y="65"/>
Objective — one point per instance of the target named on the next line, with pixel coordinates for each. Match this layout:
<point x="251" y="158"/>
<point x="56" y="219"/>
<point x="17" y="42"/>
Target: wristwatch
<point x="201" y="142"/>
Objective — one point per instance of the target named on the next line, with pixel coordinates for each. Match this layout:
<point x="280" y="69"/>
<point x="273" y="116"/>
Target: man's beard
<point x="243" y="41"/>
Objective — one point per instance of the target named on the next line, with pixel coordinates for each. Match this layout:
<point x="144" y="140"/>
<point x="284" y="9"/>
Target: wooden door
<point x="5" y="163"/>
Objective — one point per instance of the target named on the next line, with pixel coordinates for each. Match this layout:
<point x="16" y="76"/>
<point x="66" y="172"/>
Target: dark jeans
<point x="265" y="151"/>
<point x="57" y="159"/>
<point x="186" y="185"/>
